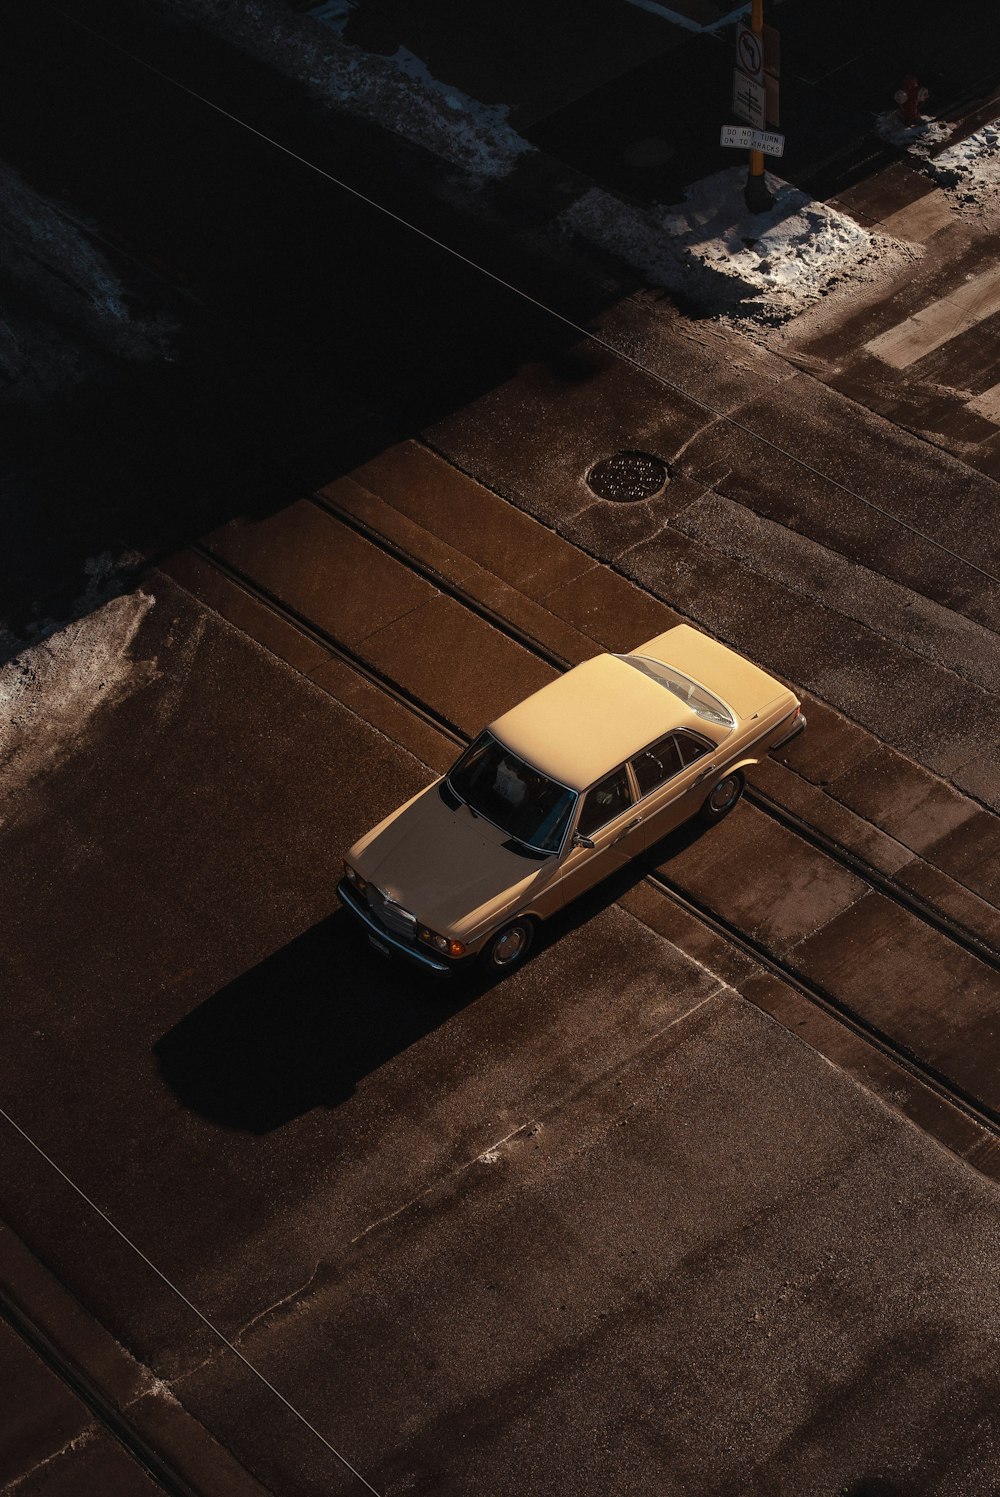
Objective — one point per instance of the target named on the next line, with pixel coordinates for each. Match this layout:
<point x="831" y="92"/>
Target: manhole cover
<point x="627" y="477"/>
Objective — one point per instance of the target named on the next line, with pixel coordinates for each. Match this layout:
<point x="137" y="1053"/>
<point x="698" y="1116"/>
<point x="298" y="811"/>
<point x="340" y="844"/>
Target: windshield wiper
<point x="525" y="849"/>
<point x="448" y="795"/>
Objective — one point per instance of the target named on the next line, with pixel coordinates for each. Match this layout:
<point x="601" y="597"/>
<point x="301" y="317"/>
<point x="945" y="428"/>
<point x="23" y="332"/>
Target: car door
<point x="672" y="777"/>
<point x="608" y="818"/>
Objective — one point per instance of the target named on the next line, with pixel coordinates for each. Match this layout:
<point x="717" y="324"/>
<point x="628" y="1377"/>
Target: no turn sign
<point x="750" y="53"/>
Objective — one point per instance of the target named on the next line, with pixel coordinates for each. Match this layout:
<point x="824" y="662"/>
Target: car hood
<point x="450" y="868"/>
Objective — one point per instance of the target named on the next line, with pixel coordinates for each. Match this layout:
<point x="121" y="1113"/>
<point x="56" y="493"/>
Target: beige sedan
<point x="560" y="792"/>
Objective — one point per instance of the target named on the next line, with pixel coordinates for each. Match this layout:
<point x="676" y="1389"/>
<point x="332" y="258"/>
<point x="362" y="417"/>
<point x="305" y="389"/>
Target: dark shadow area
<point x="651" y="132"/>
<point x="300" y="1030"/>
<point x="306" y="330"/>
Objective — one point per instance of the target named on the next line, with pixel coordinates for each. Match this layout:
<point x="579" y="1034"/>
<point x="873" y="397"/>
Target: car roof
<point x="585" y="723"/>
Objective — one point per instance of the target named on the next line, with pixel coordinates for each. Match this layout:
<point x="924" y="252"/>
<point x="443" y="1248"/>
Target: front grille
<point x="391" y="914"/>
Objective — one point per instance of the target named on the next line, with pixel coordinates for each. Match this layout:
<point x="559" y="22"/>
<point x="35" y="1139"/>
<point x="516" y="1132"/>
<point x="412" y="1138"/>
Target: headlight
<point x="355" y="878"/>
<point x="441" y="943"/>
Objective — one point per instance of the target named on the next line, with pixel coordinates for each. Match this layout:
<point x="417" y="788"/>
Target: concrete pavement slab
<point x="832" y="747"/>
<point x="796" y="794"/>
<point x="42" y="1415"/>
<point x="888" y="967"/>
<point x="914" y="807"/>
<point x="614" y="613"/>
<point x="917" y="221"/>
<point x="884" y="687"/>
<point x="785" y="890"/>
<point x="929" y="491"/>
<point x="854" y="1054"/>
<point x="95" y="1463"/>
<point x="421" y="484"/>
<point x="954" y="898"/>
<point x="197" y="576"/>
<point x="537" y="437"/>
<point x="305" y="654"/>
<point x="325" y="572"/>
<point x="678" y="926"/>
<point x="721" y="1268"/>
<point x="891" y="192"/>
<point x="72" y="1387"/>
<point x="608" y="529"/>
<point x="457" y="664"/>
<point x="972" y="855"/>
<point x="479" y="583"/>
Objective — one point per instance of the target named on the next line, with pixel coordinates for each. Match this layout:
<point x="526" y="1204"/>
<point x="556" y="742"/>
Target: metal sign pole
<point x="758" y="197"/>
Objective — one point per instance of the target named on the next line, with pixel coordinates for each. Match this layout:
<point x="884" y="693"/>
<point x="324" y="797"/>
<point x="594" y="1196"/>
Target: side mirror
<point x="579" y="841"/>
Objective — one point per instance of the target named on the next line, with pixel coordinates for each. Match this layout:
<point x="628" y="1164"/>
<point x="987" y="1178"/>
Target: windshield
<point x="521" y="801"/>
<point x="697" y="698"/>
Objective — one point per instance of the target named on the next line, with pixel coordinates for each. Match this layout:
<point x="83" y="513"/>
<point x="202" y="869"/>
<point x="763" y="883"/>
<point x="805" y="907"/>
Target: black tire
<point x="723" y="796"/>
<point x="509" y="947"/>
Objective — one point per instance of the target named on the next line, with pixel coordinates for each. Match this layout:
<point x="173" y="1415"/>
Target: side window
<point x="657" y="763"/>
<point x="690" y="748"/>
<point x="608" y="798"/>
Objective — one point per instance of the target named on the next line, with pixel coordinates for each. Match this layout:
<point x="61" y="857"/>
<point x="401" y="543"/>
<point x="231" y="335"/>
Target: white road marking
<point x="939" y="322"/>
<point x="918" y="221"/>
<point x="987" y="404"/>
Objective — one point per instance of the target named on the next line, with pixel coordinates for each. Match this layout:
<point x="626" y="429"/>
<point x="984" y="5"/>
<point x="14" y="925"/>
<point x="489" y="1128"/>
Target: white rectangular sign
<point x="749" y="99"/>
<point x="745" y="138"/>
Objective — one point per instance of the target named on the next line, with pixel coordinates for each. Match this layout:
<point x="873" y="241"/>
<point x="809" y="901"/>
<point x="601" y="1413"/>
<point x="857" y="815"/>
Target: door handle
<point x="704" y="774"/>
<point x="630" y="828"/>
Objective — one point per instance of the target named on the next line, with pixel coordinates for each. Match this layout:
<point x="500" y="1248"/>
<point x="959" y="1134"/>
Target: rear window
<point x="707" y="706"/>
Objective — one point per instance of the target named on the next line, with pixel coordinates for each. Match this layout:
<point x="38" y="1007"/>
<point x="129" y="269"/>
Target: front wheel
<point x="508" y="948"/>
<point x="723" y="796"/>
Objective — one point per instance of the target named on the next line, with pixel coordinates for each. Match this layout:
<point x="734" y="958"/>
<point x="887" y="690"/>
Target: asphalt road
<point x="607" y="1226"/>
<point x="546" y="1216"/>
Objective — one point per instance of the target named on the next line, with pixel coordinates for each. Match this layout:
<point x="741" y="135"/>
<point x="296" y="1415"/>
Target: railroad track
<point x="924" y="910"/>
<point x="110" y="1417"/>
<point x="850" y="861"/>
<point x="770" y="961"/>
<point x="945" y="925"/>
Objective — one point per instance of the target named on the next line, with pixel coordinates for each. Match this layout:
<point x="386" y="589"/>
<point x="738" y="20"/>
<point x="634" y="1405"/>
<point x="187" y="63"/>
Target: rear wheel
<point x="723" y="796"/>
<point x="508" y="948"/>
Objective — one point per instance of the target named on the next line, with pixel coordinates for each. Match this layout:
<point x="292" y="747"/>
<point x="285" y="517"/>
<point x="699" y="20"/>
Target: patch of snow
<point x="971" y="169"/>
<point x="105" y="577"/>
<point x="397" y="92"/>
<point x="54" y="260"/>
<point x="51" y="691"/>
<point x="923" y="135"/>
<point x="37" y="233"/>
<point x="492" y="117"/>
<point x="711" y="249"/>
<point x="968" y="170"/>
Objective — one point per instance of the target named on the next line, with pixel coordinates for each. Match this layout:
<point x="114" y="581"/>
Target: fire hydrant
<point x="909" y="98"/>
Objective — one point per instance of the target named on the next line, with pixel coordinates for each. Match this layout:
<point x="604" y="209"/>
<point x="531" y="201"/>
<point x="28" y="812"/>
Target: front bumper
<point x="800" y="723"/>
<point x="352" y="900"/>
